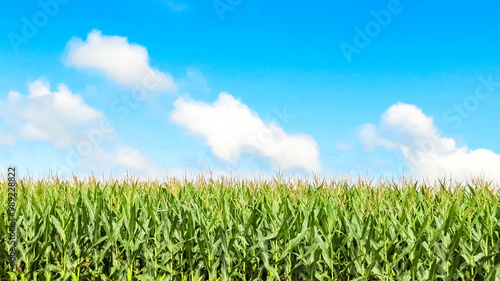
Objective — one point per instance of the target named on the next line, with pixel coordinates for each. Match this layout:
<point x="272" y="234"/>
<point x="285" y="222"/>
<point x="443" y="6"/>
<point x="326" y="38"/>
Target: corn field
<point x="224" y="228"/>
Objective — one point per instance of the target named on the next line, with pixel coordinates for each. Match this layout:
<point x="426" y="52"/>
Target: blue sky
<point x="287" y="77"/>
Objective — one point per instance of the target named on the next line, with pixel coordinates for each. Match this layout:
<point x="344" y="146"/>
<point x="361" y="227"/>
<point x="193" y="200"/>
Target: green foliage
<point x="251" y="229"/>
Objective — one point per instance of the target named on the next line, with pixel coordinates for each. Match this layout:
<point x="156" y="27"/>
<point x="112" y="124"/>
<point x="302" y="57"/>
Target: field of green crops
<point x="253" y="229"/>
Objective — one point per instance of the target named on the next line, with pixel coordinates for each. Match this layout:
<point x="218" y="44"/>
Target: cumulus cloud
<point x="124" y="62"/>
<point x="63" y="119"/>
<point x="57" y="117"/>
<point x="117" y="159"/>
<point x="370" y="138"/>
<point x="406" y="129"/>
<point x="131" y="158"/>
<point x="229" y="127"/>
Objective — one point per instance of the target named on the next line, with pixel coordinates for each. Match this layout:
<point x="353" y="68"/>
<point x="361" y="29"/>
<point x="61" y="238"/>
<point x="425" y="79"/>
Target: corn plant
<point x="209" y="228"/>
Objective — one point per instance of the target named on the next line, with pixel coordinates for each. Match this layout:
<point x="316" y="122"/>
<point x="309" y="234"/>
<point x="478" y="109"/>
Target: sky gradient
<point x="248" y="87"/>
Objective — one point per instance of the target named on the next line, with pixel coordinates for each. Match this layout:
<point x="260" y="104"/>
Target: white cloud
<point x="57" y="117"/>
<point x="370" y="138"/>
<point x="131" y="158"/>
<point x="426" y="151"/>
<point x="30" y="132"/>
<point x="115" y="159"/>
<point x="73" y="127"/>
<point x="229" y="127"/>
<point x="126" y="63"/>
